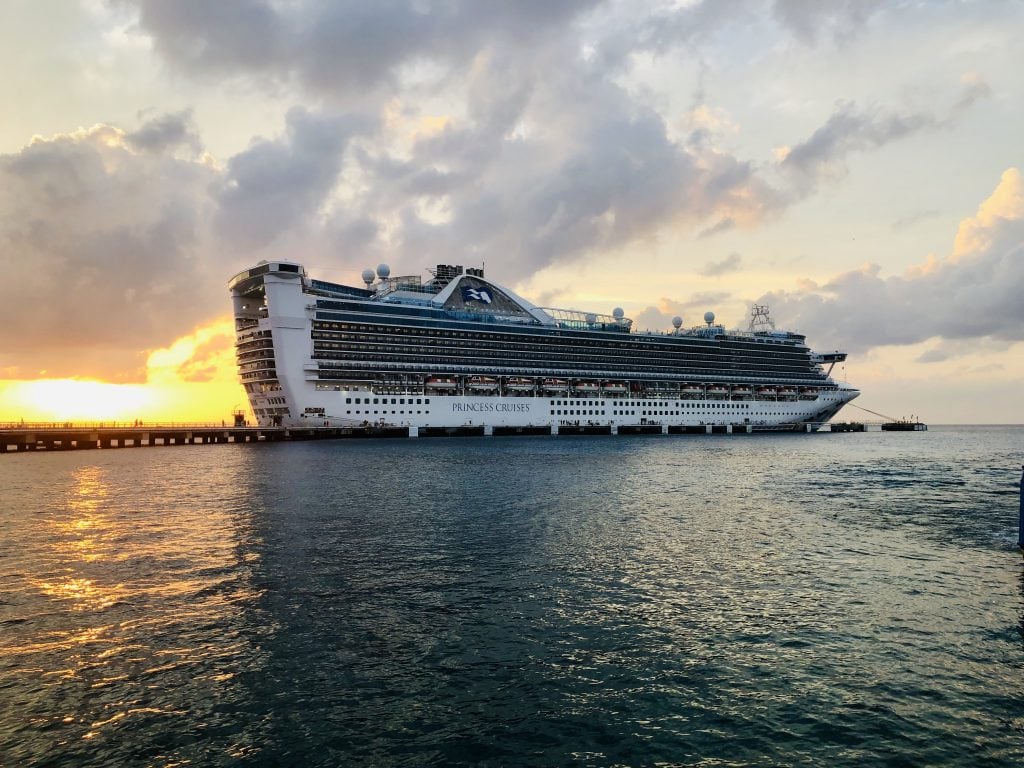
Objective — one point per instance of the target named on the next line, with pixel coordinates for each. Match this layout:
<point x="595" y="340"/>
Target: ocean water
<point x="841" y="600"/>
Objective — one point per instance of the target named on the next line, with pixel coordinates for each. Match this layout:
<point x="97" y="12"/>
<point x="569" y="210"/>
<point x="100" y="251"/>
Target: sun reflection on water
<point x="85" y="534"/>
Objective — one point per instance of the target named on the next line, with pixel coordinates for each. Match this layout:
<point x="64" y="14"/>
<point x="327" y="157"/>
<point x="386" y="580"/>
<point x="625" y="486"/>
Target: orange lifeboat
<point x="483" y="383"/>
<point x="441" y="382"/>
<point x="519" y="384"/>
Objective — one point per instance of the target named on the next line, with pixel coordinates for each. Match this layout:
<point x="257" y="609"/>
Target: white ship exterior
<point x="458" y="350"/>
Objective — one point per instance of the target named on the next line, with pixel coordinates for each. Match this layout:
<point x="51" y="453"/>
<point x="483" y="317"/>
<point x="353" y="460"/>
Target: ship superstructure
<point x="457" y="349"/>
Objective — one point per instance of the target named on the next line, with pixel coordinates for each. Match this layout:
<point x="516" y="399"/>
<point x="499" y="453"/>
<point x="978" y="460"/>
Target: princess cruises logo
<point x="476" y="294"/>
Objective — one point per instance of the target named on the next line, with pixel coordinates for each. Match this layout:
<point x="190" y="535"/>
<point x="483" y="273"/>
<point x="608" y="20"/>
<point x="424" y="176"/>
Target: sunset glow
<point x="193" y="380"/>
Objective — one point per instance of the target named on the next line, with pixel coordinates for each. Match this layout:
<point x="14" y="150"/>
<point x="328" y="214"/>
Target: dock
<point x="77" y="438"/>
<point x="16" y="438"/>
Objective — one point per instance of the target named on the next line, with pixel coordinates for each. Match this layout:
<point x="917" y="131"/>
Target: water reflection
<point x="534" y="602"/>
<point x="132" y="614"/>
<point x="81" y="533"/>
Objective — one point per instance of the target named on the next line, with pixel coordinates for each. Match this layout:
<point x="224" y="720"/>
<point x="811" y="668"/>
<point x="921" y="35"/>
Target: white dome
<point x="709" y="317"/>
<point x="383" y="270"/>
<point x="367" y="276"/>
<point x="677" y="322"/>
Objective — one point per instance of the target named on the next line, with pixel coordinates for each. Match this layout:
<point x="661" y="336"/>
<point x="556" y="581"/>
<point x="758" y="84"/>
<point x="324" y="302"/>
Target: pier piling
<point x="1020" y="521"/>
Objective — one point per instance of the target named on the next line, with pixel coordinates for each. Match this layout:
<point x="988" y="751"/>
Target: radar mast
<point x="760" y="319"/>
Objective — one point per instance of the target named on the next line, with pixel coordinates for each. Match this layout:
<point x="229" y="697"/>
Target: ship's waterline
<point x="459" y="349"/>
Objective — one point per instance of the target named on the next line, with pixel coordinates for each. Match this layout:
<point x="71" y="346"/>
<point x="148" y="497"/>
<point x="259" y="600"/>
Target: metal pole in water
<point x="1020" y="522"/>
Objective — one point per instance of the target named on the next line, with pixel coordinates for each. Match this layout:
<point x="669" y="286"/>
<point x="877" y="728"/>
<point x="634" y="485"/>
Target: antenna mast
<point x="760" y="319"/>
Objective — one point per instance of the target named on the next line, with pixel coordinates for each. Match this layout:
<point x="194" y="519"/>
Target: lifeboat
<point x="742" y="389"/>
<point x="786" y="391"/>
<point x="586" y="386"/>
<point x="718" y="389"/>
<point x="614" y="387"/>
<point x="690" y="389"/>
<point x="555" y="385"/>
<point x="441" y="382"/>
<point x="766" y="391"/>
<point x="482" y="383"/>
<point x="519" y="384"/>
<point x="809" y="393"/>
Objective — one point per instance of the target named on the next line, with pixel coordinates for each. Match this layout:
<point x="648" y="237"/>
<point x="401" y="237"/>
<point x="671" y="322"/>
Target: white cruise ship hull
<point x="366" y="408"/>
<point x="316" y="354"/>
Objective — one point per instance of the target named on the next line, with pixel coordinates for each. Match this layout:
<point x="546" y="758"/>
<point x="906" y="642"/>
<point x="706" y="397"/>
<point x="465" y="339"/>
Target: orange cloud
<point x="192" y="380"/>
<point x="1006" y="203"/>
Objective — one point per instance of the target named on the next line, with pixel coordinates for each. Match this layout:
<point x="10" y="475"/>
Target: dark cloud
<point x="548" y="157"/>
<point x="167" y="132"/>
<point x="808" y="20"/>
<point x="98" y="248"/>
<point x="340" y="47"/>
<point x="592" y="178"/>
<point x="853" y="129"/>
<point x="847" y="130"/>
<point x="224" y="37"/>
<point x="277" y="185"/>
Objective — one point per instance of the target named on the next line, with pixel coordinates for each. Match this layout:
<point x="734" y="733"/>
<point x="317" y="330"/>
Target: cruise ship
<point x="455" y="349"/>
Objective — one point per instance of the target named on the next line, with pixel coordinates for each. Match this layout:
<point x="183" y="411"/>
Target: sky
<point x="854" y="165"/>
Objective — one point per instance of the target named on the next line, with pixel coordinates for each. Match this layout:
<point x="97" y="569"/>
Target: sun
<point x="78" y="400"/>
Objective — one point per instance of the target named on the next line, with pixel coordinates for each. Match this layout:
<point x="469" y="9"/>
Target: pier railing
<point x="136" y="424"/>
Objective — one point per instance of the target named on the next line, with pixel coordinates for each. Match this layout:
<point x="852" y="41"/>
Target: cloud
<point x="543" y="153"/>
<point x="500" y="132"/>
<point x="932" y="356"/>
<point x="730" y="263"/>
<point x="998" y="213"/>
<point x="691" y="311"/>
<point x="277" y="185"/>
<point x="166" y="132"/>
<point x="344" y="47"/>
<point x="807" y="20"/>
<point x="974" y="293"/>
<point x="853" y="129"/>
<point x="98" y="248"/>
<point x="847" y="130"/>
<point x="909" y="221"/>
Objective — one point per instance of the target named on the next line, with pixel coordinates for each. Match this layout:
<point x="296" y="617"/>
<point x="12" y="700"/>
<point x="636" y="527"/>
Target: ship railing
<point x="576" y="373"/>
<point x="94" y="425"/>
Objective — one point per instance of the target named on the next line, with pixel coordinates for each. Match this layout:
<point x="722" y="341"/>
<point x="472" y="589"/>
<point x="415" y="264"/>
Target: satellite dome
<point x="709" y="317"/>
<point x="677" y="322"/>
<point x="383" y="270"/>
<point x="591" y="318"/>
<point x="367" y="276"/>
<point x="618" y="314"/>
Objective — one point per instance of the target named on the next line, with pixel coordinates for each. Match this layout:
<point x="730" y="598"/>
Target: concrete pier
<point x="67" y="437"/>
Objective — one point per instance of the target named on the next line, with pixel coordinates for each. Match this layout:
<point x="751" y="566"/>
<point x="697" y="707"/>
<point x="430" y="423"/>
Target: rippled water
<point x="846" y="600"/>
